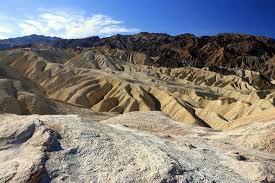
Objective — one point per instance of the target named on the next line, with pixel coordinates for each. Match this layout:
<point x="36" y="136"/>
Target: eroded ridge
<point x="112" y="80"/>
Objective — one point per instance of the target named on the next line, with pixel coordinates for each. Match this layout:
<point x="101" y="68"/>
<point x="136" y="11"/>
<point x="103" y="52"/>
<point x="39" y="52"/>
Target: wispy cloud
<point x="4" y="32"/>
<point x="2" y="36"/>
<point x="72" y="25"/>
<point x="62" y="23"/>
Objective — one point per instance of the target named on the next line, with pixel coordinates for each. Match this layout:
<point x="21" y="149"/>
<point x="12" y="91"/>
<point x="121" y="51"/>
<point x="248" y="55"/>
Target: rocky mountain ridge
<point x="223" y="50"/>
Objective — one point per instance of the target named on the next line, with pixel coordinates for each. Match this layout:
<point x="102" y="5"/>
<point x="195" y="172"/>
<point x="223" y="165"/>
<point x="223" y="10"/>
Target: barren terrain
<point x="121" y="110"/>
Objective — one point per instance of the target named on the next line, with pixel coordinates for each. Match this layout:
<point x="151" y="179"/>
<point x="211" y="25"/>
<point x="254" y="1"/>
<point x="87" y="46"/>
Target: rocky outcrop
<point x="23" y="147"/>
<point x="133" y="147"/>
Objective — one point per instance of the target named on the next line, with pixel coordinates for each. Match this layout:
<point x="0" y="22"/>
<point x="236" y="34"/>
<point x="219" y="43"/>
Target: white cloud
<point x="72" y="25"/>
<point x="3" y="36"/>
<point x="4" y="31"/>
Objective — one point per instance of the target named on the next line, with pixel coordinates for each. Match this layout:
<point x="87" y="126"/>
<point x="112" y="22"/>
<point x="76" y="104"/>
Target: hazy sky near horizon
<point x="83" y="18"/>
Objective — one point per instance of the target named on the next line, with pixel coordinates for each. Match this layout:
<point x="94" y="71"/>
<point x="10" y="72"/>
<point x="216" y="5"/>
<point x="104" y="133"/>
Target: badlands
<point x="141" y="108"/>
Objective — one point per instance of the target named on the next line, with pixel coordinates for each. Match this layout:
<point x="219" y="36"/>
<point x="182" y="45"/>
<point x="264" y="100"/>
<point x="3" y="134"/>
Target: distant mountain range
<point x="26" y="41"/>
<point x="223" y="50"/>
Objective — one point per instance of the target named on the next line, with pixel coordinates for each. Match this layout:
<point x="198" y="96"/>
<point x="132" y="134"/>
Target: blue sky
<point x="83" y="18"/>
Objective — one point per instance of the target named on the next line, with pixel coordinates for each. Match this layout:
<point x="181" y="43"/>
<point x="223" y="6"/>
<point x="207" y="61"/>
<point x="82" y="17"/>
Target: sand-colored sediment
<point x="110" y="80"/>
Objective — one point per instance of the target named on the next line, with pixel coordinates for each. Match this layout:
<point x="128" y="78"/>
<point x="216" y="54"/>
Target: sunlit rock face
<point x="133" y="147"/>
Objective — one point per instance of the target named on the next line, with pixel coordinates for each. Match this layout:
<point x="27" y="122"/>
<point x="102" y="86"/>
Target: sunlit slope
<point x="113" y="80"/>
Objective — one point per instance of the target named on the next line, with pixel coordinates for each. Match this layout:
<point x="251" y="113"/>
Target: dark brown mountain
<point x="224" y="50"/>
<point x="220" y="52"/>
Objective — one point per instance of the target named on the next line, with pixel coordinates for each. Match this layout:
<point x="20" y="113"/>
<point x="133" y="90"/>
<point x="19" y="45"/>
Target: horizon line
<point x="143" y="32"/>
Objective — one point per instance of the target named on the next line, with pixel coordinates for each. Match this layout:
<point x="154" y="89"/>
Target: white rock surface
<point x="133" y="147"/>
<point x="23" y="143"/>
